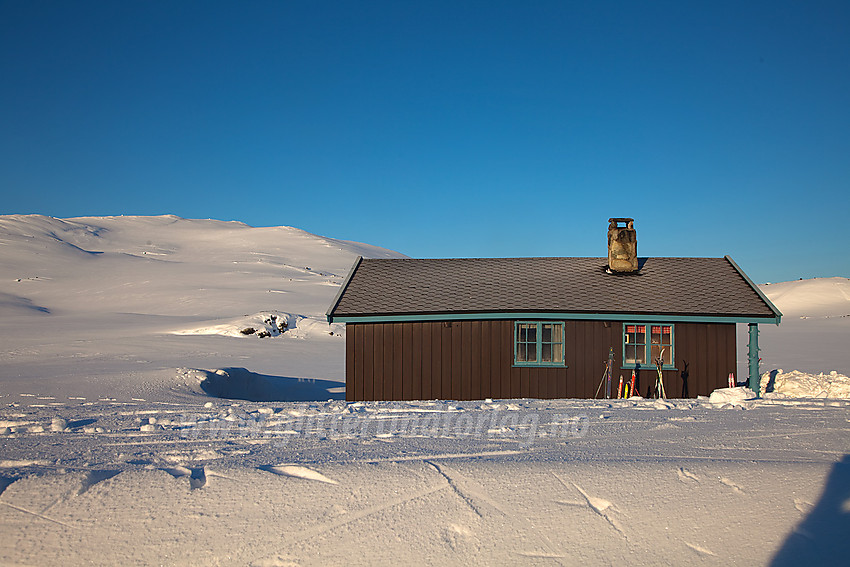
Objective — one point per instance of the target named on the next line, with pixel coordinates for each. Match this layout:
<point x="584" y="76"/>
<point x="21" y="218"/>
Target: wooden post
<point x="754" y="359"/>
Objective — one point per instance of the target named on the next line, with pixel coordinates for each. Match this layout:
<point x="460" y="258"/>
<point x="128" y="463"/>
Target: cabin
<point x="477" y="328"/>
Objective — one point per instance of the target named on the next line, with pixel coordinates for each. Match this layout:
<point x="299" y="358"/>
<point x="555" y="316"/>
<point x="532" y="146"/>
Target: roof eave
<point x="555" y="315"/>
<point x="776" y="312"/>
<point x="329" y="314"/>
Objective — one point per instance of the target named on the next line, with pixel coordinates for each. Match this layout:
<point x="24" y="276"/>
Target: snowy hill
<point x="169" y="266"/>
<point x="815" y="327"/>
<point x="94" y="307"/>
<point x="816" y="298"/>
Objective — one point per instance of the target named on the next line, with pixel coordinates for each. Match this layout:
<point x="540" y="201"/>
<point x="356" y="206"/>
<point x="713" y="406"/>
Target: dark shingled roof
<point x="670" y="286"/>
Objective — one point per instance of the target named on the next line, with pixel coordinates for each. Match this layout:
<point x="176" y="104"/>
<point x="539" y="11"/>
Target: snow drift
<point x="796" y="384"/>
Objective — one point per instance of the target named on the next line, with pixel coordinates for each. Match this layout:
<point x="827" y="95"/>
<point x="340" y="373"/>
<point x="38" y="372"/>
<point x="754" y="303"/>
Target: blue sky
<point x="444" y="129"/>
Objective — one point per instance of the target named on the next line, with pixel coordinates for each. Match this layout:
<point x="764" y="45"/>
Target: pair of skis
<point x="626" y="389"/>
<point x="659" y="382"/>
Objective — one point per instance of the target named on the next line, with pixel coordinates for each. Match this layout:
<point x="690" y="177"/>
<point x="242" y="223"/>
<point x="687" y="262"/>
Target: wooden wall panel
<point x="466" y="355"/>
<point x="446" y="381"/>
<point x="474" y="360"/>
<point x="387" y="369"/>
<point x="394" y="386"/>
<point x="455" y="348"/>
<point x="476" y="332"/>
<point x="421" y="336"/>
<point x="579" y="363"/>
<point x="372" y="344"/>
<point x="486" y="390"/>
<point x="506" y="335"/>
<point x="350" y="361"/>
<point x="712" y="366"/>
<point x="562" y="388"/>
<point x="436" y="359"/>
<point x="404" y="380"/>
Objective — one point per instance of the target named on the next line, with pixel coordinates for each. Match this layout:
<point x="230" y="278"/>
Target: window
<point x="538" y="344"/>
<point x="644" y="344"/>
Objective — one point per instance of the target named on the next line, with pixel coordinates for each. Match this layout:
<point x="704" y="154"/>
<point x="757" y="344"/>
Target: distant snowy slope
<point x="815" y="329"/>
<point x="820" y="297"/>
<point x="170" y="266"/>
<point x="93" y="303"/>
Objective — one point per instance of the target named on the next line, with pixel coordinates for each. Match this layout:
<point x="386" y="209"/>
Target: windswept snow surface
<point x="531" y="482"/>
<point x="122" y="337"/>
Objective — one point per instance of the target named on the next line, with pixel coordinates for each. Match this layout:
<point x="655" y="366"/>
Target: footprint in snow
<point x="178" y="471"/>
<point x="297" y="471"/>
<point x="802" y="506"/>
<point x="701" y="550"/>
<point x="735" y="488"/>
<point x="93" y="477"/>
<point x="198" y="478"/>
<point x="685" y="475"/>
<point x="599" y="505"/>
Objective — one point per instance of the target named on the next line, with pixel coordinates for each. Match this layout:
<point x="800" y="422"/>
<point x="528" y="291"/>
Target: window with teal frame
<point x="538" y="343"/>
<point x="644" y="343"/>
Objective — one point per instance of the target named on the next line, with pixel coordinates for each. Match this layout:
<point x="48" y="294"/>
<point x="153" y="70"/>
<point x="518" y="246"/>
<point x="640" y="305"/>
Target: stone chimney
<point x="622" y="246"/>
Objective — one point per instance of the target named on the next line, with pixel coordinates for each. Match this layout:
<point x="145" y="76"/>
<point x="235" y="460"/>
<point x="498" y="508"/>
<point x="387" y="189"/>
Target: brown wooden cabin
<point x="466" y="329"/>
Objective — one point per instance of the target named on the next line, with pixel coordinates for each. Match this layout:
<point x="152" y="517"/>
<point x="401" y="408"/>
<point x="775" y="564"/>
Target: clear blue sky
<point x="444" y="128"/>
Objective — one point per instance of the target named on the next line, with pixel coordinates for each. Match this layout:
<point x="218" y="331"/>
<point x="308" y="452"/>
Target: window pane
<point x="640" y="354"/>
<point x="557" y="334"/>
<point x="655" y="337"/>
<point x="630" y="354"/>
<point x="640" y="335"/>
<point x="546" y="335"/>
<point x="520" y="352"/>
<point x="546" y="352"/>
<point x="558" y="355"/>
<point x="531" y="353"/>
<point x="656" y="351"/>
<point x="665" y="352"/>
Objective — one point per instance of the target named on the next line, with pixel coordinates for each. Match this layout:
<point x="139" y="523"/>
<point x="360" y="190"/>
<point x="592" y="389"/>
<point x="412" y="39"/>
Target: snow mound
<point x="796" y="384"/>
<point x="11" y="304"/>
<point x="297" y="471"/>
<point x="734" y="396"/>
<point x="267" y="324"/>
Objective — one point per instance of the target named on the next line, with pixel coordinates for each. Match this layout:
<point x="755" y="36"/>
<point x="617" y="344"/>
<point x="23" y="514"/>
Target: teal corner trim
<point x="754" y="360"/>
<point x="342" y="289"/>
<point x="660" y="318"/>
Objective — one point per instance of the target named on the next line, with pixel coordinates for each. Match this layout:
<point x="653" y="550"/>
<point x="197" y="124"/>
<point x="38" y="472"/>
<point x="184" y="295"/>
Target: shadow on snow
<point x="821" y="538"/>
<point x="242" y="384"/>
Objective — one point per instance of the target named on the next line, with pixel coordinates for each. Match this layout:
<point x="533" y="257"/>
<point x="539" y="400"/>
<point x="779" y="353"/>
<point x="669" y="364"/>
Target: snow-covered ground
<point x="123" y="335"/>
